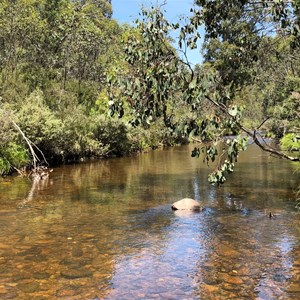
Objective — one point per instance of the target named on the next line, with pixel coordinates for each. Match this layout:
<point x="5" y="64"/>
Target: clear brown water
<point x="105" y="230"/>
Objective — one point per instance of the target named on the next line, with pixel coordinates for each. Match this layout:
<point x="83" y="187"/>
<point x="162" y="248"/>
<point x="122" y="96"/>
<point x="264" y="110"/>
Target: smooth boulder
<point x="187" y="204"/>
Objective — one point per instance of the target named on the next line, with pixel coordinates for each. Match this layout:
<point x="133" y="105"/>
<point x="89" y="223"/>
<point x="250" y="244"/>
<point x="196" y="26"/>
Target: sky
<point x="127" y="11"/>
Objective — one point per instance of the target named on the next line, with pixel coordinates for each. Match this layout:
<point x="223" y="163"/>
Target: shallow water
<point x="105" y="230"/>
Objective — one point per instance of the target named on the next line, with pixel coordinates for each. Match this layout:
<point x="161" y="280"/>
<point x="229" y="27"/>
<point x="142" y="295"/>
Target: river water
<point x="105" y="230"/>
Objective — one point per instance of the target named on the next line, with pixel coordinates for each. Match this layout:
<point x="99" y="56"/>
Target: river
<point x="105" y="230"/>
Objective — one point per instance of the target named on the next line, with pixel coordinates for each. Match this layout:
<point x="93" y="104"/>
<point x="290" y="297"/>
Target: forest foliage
<point x="80" y="85"/>
<point x="55" y="57"/>
<point x="248" y="85"/>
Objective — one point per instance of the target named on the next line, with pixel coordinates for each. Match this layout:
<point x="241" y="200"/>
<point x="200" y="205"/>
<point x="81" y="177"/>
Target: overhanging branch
<point x="252" y="134"/>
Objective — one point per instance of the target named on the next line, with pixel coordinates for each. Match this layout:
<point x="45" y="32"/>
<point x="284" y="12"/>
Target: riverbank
<point x="103" y="138"/>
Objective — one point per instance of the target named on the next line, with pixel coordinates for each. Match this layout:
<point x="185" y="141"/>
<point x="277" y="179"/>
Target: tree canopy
<point x="251" y="68"/>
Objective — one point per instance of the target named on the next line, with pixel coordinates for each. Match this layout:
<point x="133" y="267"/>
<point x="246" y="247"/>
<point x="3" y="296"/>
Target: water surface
<point x="105" y="230"/>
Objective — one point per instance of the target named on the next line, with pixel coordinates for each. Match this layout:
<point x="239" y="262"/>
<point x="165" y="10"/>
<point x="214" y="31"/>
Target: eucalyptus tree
<point x="236" y="32"/>
<point x="254" y="43"/>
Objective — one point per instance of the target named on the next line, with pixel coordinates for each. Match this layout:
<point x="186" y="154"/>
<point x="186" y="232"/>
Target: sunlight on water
<point x="105" y="230"/>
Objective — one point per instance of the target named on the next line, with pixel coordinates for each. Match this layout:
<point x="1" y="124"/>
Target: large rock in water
<point x="187" y="204"/>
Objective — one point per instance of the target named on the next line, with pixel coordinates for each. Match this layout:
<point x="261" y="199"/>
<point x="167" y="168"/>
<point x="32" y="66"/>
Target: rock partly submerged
<point x="187" y="204"/>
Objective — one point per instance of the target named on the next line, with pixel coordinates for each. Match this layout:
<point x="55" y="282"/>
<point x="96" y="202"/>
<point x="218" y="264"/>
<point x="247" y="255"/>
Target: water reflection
<point x="105" y="230"/>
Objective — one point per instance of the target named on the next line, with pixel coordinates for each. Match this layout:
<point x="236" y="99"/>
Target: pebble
<point x="231" y="279"/>
<point x="244" y="271"/>
<point x="66" y="293"/>
<point x="77" y="252"/>
<point x="29" y="287"/>
<point x="294" y="288"/>
<point x="76" y="273"/>
<point x="225" y="250"/>
<point x="296" y="263"/>
<point x="41" y="275"/>
<point x="12" y="294"/>
<point x="21" y="276"/>
<point x="230" y="287"/>
<point x="209" y="288"/>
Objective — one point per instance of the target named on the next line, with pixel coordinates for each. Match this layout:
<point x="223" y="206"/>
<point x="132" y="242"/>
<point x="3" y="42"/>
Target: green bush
<point x="12" y="155"/>
<point x="111" y="135"/>
<point x="39" y="123"/>
<point x="71" y="134"/>
<point x="291" y="142"/>
<point x="5" y="166"/>
<point x="13" y="152"/>
<point x="156" y="135"/>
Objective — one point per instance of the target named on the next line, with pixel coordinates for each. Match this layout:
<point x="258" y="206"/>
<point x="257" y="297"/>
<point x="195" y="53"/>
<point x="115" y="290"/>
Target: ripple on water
<point x="106" y="231"/>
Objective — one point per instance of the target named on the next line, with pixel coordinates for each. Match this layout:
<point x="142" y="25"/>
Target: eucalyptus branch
<point x="174" y="55"/>
<point x="262" y="123"/>
<point x="186" y="62"/>
<point x="252" y="134"/>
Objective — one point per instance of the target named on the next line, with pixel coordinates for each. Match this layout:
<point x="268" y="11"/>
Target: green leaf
<point x="233" y="110"/>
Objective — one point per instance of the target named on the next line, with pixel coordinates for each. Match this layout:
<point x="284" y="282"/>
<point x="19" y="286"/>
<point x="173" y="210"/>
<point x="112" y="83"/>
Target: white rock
<point x="187" y="204"/>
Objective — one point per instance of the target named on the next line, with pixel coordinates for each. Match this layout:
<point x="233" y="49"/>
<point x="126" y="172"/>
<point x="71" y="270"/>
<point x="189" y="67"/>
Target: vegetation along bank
<point x="74" y="83"/>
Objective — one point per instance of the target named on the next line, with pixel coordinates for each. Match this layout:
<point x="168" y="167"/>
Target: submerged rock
<point x="76" y="273"/>
<point x="187" y="204"/>
<point x="29" y="287"/>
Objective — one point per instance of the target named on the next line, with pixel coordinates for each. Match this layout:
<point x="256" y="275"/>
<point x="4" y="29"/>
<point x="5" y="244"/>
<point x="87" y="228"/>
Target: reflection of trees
<point x="258" y="183"/>
<point x="98" y="233"/>
<point x="64" y="240"/>
<point x="37" y="184"/>
<point x="12" y="190"/>
<point x="117" y="219"/>
<point x="135" y="178"/>
<point x="250" y="254"/>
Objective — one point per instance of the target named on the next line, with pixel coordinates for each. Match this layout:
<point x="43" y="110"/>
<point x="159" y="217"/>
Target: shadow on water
<point x="105" y="230"/>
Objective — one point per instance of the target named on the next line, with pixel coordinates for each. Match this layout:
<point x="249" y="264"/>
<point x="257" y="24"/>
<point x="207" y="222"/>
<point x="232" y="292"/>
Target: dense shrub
<point x="12" y="156"/>
<point x="291" y="142"/>
<point x="13" y="152"/>
<point x="111" y="134"/>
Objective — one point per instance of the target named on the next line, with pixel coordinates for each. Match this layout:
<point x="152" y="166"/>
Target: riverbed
<point x="105" y="230"/>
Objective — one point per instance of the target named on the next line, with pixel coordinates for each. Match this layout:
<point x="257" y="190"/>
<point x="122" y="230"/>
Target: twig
<point x="262" y="123"/>
<point x="34" y="156"/>
<point x="196" y="140"/>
